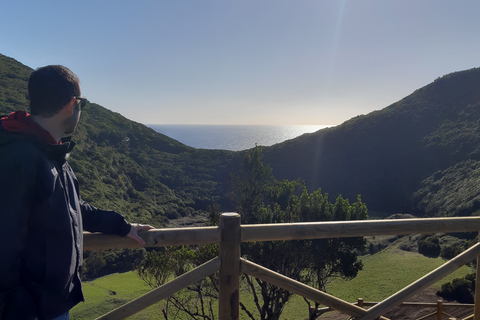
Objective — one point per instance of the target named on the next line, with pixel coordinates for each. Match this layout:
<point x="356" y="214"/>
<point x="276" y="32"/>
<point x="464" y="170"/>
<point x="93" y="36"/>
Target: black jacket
<point x="42" y="218"/>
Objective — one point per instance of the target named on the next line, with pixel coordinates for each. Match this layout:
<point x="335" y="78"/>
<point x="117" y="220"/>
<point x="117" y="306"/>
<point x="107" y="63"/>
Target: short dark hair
<point x="50" y="88"/>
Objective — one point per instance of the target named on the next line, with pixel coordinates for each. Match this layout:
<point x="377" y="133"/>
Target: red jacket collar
<point x="21" y="122"/>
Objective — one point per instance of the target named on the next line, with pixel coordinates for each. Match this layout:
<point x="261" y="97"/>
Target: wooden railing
<point x="440" y="308"/>
<point x="230" y="234"/>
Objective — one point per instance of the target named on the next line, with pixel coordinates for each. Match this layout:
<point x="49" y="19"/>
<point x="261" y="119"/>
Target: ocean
<point x="233" y="137"/>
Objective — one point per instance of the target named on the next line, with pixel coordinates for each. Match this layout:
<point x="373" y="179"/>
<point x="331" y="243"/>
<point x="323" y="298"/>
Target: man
<point x="42" y="216"/>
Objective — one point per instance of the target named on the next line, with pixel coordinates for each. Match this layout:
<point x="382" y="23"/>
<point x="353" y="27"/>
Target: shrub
<point x="429" y="245"/>
<point x="450" y="252"/>
<point x="103" y="262"/>
<point x="460" y="289"/>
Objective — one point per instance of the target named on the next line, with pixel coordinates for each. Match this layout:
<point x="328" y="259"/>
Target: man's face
<point x="72" y="121"/>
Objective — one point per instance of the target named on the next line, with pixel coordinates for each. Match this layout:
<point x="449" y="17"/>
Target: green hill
<point x="419" y="155"/>
<point x="128" y="167"/>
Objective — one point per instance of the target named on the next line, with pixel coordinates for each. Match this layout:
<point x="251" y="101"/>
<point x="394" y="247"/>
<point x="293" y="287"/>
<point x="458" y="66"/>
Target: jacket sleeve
<point x="96" y="220"/>
<point x="17" y="176"/>
<point x="105" y="221"/>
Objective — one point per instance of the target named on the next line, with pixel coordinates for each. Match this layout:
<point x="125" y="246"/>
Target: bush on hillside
<point x="429" y="245"/>
<point x="451" y="251"/>
<point x="98" y="263"/>
<point x="460" y="289"/>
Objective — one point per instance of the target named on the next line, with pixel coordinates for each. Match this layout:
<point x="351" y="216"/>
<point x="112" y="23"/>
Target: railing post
<point x="476" y="312"/>
<point x="360" y="302"/>
<point x="229" y="276"/>
<point x="439" y="309"/>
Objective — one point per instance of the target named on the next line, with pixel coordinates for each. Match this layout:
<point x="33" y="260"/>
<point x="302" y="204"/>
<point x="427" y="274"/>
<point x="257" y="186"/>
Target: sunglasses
<point x="82" y="102"/>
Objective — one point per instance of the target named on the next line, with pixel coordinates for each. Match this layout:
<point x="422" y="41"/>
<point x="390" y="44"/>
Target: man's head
<point x="51" y="88"/>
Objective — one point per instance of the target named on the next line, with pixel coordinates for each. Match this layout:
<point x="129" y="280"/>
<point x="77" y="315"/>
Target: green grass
<point x="388" y="271"/>
<point x="383" y="274"/>
<point x="107" y="293"/>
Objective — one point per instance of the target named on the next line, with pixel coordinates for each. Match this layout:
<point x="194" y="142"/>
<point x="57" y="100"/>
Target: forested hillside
<point x="126" y="166"/>
<point x="419" y="155"/>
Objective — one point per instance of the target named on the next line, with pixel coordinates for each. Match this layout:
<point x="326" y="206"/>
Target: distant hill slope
<point x="420" y="155"/>
<point x="126" y="166"/>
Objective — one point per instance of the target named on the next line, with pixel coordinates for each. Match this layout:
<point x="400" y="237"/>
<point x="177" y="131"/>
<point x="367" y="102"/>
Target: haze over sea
<point x="233" y="137"/>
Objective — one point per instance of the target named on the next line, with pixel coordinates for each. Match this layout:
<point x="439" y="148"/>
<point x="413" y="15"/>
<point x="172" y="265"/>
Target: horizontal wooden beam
<point x="342" y="229"/>
<point x="285" y="231"/>
<point x="154" y="238"/>
<point x="426" y="304"/>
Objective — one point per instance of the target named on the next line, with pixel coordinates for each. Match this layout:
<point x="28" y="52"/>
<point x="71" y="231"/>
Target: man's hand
<point x="134" y="232"/>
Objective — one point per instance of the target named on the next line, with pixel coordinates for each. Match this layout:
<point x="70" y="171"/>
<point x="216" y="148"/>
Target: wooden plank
<point x="426" y="305"/>
<point x="100" y="241"/>
<point x="341" y="229"/>
<point x="229" y="276"/>
<point x="285" y="231"/>
<point x="428" y="316"/>
<point x="422" y="283"/>
<point x="163" y="291"/>
<point x="476" y="310"/>
<point x="154" y="238"/>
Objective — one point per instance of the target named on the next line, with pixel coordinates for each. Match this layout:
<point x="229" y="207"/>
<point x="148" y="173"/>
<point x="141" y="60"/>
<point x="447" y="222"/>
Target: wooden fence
<point x="230" y="234"/>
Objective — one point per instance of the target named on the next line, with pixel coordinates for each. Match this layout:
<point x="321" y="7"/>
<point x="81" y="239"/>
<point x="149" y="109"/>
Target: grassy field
<point x="107" y="293"/>
<point x="383" y="274"/>
<point x="386" y="272"/>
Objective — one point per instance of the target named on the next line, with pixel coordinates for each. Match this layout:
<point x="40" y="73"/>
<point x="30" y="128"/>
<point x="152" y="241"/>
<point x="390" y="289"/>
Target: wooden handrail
<point x="425" y="304"/>
<point x="154" y="238"/>
<point x="477" y="290"/>
<point x="343" y="229"/>
<point x="285" y="231"/>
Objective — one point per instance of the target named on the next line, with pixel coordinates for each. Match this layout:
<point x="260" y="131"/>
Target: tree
<point x="260" y="198"/>
<point x="196" y="301"/>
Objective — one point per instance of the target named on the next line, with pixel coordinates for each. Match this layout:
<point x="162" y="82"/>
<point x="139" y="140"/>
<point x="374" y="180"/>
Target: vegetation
<point x="260" y="198"/>
<point x="460" y="289"/>
<point x="420" y="155"/>
<point x="429" y="245"/>
<point x="198" y="301"/>
<point x="13" y="85"/>
<point x="388" y="271"/>
<point x="103" y="262"/>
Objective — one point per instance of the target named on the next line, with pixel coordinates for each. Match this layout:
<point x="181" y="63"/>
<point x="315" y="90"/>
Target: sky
<point x="276" y="62"/>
